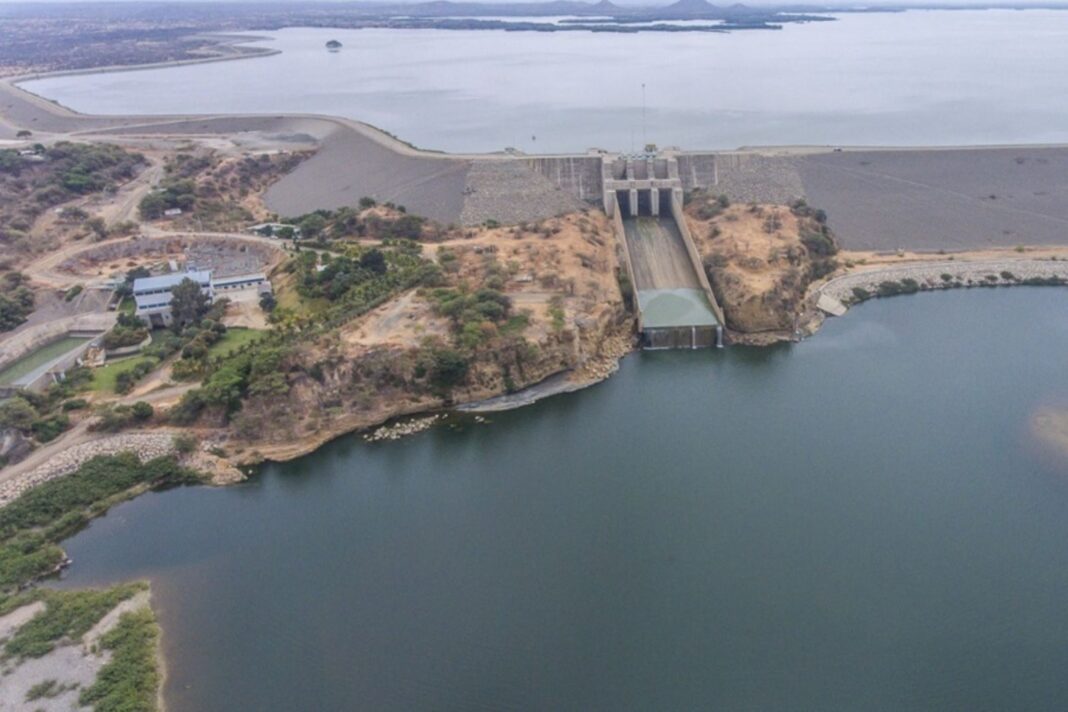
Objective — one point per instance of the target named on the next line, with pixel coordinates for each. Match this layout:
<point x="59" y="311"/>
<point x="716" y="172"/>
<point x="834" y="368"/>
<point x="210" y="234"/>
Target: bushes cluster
<point x="476" y="316"/>
<point x="16" y="300"/>
<point x="252" y="372"/>
<point x="337" y="275"/>
<point x="711" y="206"/>
<point x="129" y="679"/>
<point x="61" y="173"/>
<point x="128" y="331"/>
<point x="32" y="525"/>
<point x="32" y="415"/>
<point x="113" y="418"/>
<point x="347" y="223"/>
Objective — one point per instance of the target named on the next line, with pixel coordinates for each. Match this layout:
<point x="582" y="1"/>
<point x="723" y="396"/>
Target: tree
<point x="312" y="225"/>
<point x="24" y="134"/>
<point x="286" y="232"/>
<point x="268" y="302"/>
<point x="17" y="413"/>
<point x="449" y="369"/>
<point x="373" y="261"/>
<point x="188" y="304"/>
<point x="141" y="411"/>
<point x="152" y="206"/>
<point x="98" y="226"/>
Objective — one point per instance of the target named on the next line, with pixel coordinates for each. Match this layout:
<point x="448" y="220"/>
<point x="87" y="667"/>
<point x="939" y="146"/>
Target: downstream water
<point x="859" y="521"/>
<point x="913" y="78"/>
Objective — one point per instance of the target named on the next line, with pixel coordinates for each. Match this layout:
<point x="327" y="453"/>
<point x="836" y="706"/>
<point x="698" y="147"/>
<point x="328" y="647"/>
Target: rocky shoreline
<point x="145" y="445"/>
<point x="851" y="288"/>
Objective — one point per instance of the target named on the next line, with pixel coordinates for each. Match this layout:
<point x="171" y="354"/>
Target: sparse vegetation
<point x="68" y="615"/>
<point x="209" y="188"/>
<point x="62" y="172"/>
<point x="113" y="418"/>
<point x="33" y="524"/>
<point x="16" y="300"/>
<point x="128" y="331"/>
<point x="129" y="680"/>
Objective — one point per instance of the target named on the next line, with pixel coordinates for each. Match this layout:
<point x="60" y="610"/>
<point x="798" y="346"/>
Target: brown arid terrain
<point x="216" y="191"/>
<point x="760" y="260"/>
<point x="564" y="314"/>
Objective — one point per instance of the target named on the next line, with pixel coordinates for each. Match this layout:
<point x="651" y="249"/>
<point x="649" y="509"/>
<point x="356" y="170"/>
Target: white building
<point x="153" y="294"/>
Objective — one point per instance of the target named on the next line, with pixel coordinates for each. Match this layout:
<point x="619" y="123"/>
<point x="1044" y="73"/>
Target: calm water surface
<point x="914" y="78"/>
<point x="859" y="521"/>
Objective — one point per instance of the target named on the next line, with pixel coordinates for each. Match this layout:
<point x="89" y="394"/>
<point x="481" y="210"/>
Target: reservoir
<point x="862" y="520"/>
<point x="914" y="78"/>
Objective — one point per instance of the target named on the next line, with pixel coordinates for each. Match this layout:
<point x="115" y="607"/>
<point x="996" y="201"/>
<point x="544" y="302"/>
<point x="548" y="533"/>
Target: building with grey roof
<point x="153" y="295"/>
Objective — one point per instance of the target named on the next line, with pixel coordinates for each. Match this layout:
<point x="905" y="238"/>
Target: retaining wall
<point x="695" y="256"/>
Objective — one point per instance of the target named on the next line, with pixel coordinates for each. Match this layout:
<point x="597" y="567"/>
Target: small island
<point x="333" y="45"/>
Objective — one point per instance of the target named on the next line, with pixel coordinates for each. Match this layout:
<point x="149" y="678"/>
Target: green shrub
<point x="44" y="689"/>
<point x="818" y="243"/>
<point x="68" y="615"/>
<point x="50" y="427"/>
<point x="449" y="369"/>
<point x="184" y="443"/>
<point x="17" y="413"/>
<point x="129" y="680"/>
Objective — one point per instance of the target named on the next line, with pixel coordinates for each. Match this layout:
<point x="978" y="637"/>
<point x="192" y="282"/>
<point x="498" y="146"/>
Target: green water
<point x="862" y="521"/>
<point x="39" y="360"/>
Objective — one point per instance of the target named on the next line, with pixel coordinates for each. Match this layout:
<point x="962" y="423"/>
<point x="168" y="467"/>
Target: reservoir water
<point x="859" y="521"/>
<point x="911" y="78"/>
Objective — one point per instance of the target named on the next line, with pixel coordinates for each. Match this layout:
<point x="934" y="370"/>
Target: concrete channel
<point x="676" y="306"/>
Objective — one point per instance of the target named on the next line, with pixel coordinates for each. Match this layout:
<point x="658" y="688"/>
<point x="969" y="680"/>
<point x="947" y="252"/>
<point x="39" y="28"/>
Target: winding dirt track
<point x="46" y="269"/>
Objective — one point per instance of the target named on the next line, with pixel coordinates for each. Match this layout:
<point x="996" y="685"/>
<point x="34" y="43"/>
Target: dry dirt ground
<point x="244" y="309"/>
<point x="757" y="264"/>
<point x="405" y="321"/>
<point x="571" y="259"/>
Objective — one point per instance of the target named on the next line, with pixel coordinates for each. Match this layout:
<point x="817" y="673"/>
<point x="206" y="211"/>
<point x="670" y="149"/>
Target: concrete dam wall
<point x="578" y="175"/>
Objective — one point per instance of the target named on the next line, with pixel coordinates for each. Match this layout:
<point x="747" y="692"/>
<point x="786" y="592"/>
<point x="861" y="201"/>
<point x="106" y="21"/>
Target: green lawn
<point x="233" y="339"/>
<point x="104" y="377"/>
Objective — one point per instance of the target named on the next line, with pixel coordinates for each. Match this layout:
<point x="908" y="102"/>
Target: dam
<point x="675" y="304"/>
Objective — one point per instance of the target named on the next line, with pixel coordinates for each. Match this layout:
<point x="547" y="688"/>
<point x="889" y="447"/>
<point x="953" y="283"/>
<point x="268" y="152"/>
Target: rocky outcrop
<point x="760" y="260"/>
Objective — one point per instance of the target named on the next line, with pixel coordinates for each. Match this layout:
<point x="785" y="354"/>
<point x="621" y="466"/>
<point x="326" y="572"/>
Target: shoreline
<point x="232" y="42"/>
<point x="389" y="140"/>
